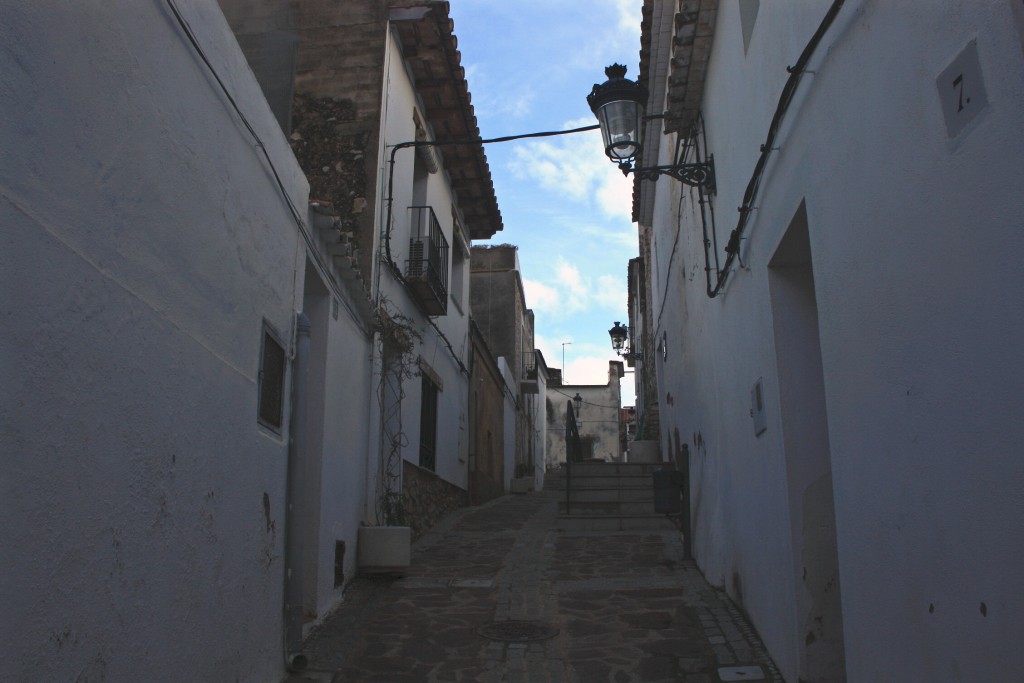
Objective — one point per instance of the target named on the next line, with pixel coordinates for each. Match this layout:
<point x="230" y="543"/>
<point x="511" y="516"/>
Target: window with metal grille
<point x="271" y="381"/>
<point x="428" y="425"/>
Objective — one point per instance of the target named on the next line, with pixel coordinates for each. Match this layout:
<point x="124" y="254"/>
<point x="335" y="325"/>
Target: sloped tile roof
<point x="430" y="47"/>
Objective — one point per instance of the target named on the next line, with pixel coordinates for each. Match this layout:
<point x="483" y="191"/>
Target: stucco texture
<point x="872" y="303"/>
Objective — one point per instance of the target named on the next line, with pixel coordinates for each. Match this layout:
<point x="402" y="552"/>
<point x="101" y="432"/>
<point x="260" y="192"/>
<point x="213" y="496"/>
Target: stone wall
<point x="427" y="498"/>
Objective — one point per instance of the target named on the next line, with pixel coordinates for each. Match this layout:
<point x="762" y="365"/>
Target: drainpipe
<point x="294" y="657"/>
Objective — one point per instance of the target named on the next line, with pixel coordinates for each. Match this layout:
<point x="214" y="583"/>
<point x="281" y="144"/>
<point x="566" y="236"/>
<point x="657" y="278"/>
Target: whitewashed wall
<point x="915" y="240"/>
<point x="597" y="419"/>
<point x="143" y="246"/>
<point x="450" y="365"/>
<point x="340" y="404"/>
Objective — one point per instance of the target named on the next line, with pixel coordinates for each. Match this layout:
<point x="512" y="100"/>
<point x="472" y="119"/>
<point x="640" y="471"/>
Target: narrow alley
<point x="307" y="307"/>
<point x="498" y="593"/>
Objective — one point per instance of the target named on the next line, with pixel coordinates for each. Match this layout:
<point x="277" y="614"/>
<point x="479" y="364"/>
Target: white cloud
<point x="615" y="195"/>
<point x="567" y="292"/>
<point x="568" y="276"/>
<point x="612" y="239"/>
<point x="587" y="370"/>
<point x="588" y="367"/>
<point x="612" y="293"/>
<point x="570" y="291"/>
<point x="576" y="166"/>
<point x="629" y="17"/>
<point x="539" y="296"/>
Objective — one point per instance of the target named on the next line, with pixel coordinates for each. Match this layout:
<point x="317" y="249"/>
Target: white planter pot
<point x="384" y="548"/>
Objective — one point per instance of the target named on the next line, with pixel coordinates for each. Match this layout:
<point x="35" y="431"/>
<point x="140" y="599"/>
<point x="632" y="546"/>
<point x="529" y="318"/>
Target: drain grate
<point x="517" y="631"/>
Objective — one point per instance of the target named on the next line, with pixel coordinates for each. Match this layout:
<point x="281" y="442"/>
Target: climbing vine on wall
<point x="399" y="339"/>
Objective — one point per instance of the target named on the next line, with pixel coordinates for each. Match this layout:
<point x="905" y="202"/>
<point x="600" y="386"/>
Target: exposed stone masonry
<point x="331" y="147"/>
<point x="427" y="498"/>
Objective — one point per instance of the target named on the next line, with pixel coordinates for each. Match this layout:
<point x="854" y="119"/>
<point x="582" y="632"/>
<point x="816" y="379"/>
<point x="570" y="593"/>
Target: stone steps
<point x="616" y="522"/>
<point x="608" y="497"/>
<point x="622" y="495"/>
<point x="606" y="507"/>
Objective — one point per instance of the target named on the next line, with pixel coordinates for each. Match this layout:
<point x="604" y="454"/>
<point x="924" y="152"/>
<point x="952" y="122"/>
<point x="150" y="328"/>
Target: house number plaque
<point x="962" y="90"/>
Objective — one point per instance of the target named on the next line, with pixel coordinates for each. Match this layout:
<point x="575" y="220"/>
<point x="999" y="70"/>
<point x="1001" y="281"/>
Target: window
<point x="271" y="380"/>
<point x="428" y="425"/>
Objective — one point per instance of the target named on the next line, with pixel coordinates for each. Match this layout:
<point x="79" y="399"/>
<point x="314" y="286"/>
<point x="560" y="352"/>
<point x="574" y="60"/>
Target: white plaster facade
<point x="155" y="223"/>
<point x="878" y="306"/>
<point x="598" y="420"/>
<point x="444" y="345"/>
<point x="146" y="243"/>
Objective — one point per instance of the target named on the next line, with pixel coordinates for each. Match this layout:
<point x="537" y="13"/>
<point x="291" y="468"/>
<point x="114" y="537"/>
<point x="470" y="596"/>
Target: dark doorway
<point x="808" y="457"/>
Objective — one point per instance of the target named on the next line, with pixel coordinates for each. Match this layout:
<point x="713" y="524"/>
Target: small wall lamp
<point x="620" y="342"/>
<point x="619" y="106"/>
<point x="577" y="402"/>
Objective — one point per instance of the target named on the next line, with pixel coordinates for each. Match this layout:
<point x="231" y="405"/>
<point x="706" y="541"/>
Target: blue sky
<point x="530" y="65"/>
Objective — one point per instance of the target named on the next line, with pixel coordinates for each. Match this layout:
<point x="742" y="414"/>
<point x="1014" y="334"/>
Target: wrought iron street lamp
<point x="620" y="338"/>
<point x="619" y="106"/>
<point x="577" y="402"/>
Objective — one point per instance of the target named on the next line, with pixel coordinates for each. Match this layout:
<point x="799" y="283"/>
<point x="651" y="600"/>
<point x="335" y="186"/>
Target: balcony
<point x="426" y="270"/>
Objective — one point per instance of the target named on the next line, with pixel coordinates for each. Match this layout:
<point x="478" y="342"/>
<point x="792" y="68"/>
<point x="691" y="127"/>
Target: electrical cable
<point x="388" y="221"/>
<point x="433" y="143"/>
<point x="671" y="259"/>
<point x="795" y="72"/>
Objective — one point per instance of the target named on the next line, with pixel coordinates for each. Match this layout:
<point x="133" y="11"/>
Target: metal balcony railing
<point x="530" y="365"/>
<point x="426" y="270"/>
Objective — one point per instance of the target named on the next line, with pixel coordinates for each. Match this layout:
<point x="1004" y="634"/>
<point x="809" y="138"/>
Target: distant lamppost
<point x="564" y="344"/>
<point x="620" y="342"/>
<point x="619" y="106"/>
<point x="577" y="402"/>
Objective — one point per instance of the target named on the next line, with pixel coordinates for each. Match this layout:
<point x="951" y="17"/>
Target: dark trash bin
<point x="667" y="484"/>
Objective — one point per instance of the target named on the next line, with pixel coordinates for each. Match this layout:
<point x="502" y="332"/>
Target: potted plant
<point x="385" y="545"/>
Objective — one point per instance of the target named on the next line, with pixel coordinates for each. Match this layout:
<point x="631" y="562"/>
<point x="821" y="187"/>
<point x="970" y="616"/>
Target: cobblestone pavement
<point x="622" y="607"/>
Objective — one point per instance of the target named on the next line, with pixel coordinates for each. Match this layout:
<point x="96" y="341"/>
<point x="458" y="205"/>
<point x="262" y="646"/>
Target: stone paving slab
<point x="625" y="605"/>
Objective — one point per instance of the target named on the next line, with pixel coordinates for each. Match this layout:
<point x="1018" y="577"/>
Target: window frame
<point x="271" y="333"/>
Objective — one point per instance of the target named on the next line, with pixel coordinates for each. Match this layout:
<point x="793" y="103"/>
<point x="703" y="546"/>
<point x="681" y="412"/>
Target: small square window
<point x="271" y="380"/>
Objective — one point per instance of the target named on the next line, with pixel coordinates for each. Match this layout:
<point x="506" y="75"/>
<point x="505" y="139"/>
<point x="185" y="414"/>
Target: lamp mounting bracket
<point x="700" y="174"/>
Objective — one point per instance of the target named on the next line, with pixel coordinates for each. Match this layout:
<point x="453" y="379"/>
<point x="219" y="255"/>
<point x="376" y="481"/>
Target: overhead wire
<point x="390" y="199"/>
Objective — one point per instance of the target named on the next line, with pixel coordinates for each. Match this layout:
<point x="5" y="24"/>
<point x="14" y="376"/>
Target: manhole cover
<point x="517" y="631"/>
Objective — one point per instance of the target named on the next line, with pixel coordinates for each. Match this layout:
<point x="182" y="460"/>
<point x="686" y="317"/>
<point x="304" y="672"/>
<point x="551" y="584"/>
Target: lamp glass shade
<point x="618" y="334"/>
<point x="618" y="104"/>
<point x="620" y="127"/>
